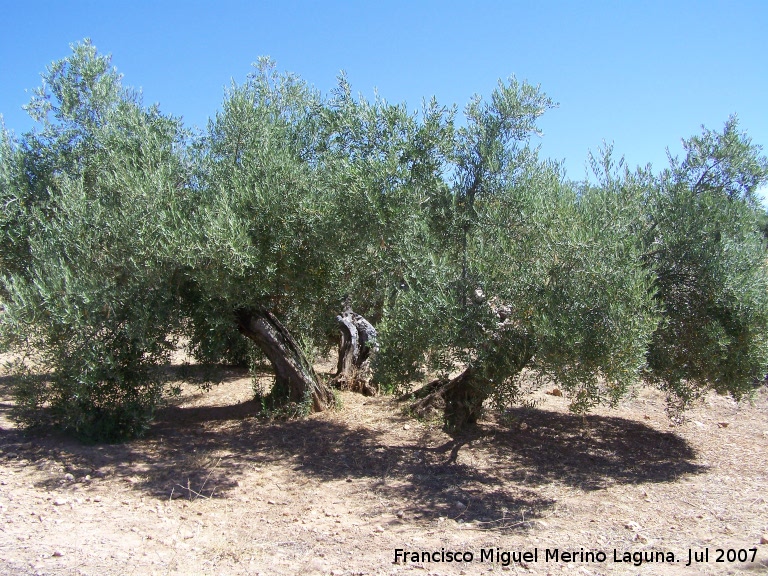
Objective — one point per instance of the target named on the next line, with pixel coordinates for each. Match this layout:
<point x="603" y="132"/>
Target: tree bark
<point x="459" y="399"/>
<point x="295" y="379"/>
<point x="356" y="349"/>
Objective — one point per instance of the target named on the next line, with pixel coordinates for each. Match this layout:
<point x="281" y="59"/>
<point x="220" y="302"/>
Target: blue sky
<point x="639" y="74"/>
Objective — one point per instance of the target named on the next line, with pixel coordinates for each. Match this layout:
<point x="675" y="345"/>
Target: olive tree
<point x="462" y="252"/>
<point x="121" y="234"/>
<point x="306" y="201"/>
<point x="89" y="288"/>
<point x="594" y="287"/>
<point x="534" y="274"/>
<point x="705" y="247"/>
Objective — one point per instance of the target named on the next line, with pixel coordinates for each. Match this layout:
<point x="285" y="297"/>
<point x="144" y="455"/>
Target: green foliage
<point x="88" y="280"/>
<point x="535" y="273"/>
<point x="707" y="251"/>
<point x="263" y="218"/>
<point x="415" y="332"/>
<point x="120" y="235"/>
<point x="385" y="169"/>
<point x="307" y="200"/>
<point x="597" y="313"/>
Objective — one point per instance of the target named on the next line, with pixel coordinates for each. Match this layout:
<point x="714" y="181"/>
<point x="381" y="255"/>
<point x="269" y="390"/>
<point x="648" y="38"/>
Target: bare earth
<point x="216" y="489"/>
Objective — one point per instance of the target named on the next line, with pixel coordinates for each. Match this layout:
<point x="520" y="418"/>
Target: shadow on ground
<point x="499" y="473"/>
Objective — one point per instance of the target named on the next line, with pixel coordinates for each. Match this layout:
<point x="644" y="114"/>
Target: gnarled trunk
<point x="356" y="350"/>
<point x="459" y="399"/>
<point x="295" y="379"/>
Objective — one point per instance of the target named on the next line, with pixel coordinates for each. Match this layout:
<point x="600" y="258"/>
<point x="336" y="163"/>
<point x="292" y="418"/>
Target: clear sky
<point x="639" y="74"/>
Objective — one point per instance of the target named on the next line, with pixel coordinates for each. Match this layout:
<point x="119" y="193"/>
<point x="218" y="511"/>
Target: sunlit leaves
<point x="707" y="252"/>
<point x="99" y="193"/>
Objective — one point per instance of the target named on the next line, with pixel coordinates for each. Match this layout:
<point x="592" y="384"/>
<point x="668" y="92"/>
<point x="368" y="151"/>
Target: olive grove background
<point x="484" y="270"/>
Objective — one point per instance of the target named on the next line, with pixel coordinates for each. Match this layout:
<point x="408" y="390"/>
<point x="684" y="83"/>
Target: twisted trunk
<point x="356" y="349"/>
<point x="459" y="399"/>
<point x="295" y="379"/>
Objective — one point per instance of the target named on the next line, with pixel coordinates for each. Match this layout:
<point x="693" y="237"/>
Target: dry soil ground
<point x="216" y="489"/>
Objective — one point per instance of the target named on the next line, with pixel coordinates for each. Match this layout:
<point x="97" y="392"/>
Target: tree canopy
<point x="478" y="262"/>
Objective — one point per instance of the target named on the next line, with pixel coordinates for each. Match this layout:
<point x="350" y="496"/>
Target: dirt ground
<point x="214" y="488"/>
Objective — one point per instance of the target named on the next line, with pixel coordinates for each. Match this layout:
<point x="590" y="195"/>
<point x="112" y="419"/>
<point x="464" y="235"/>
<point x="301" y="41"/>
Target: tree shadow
<point x="591" y="452"/>
<point x="215" y="373"/>
<point x="494" y="475"/>
<point x="6" y="392"/>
